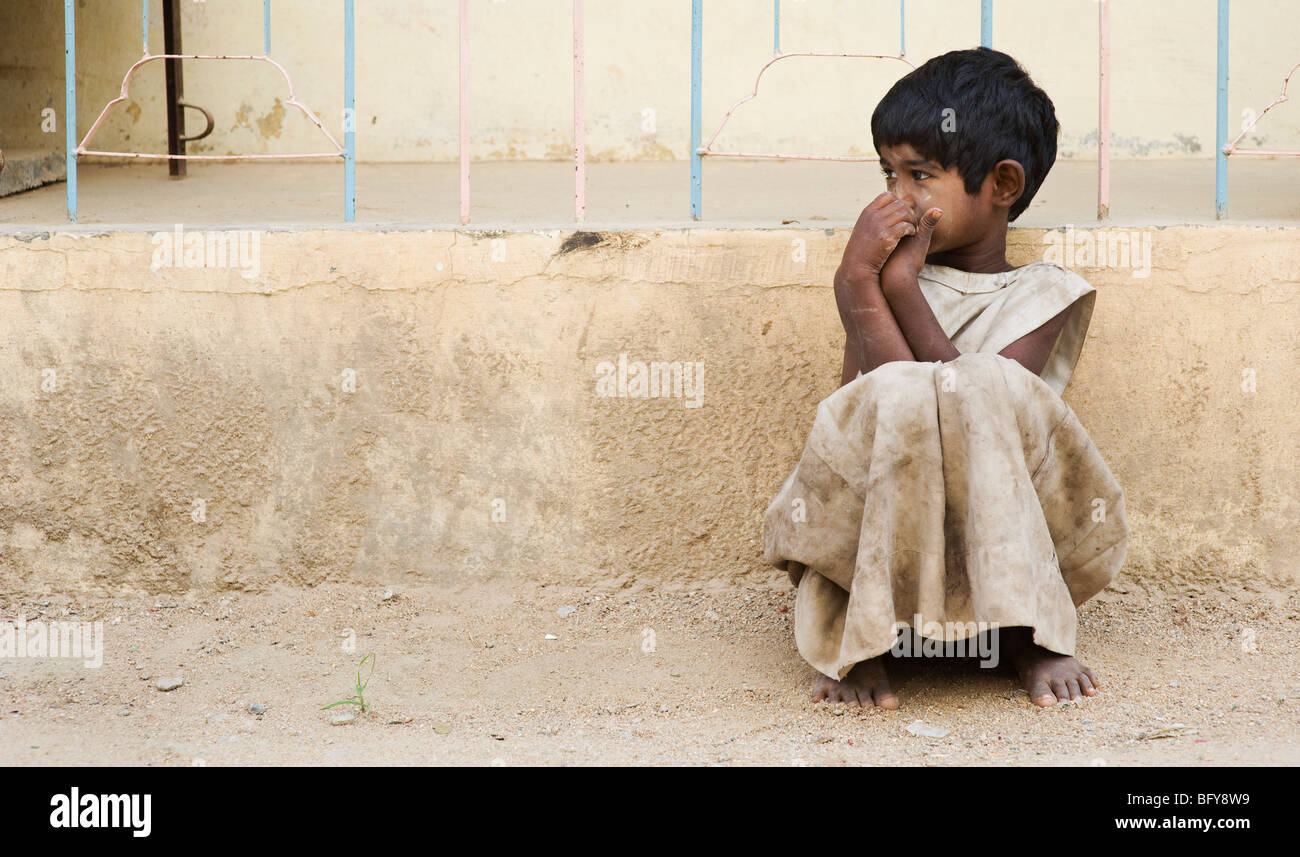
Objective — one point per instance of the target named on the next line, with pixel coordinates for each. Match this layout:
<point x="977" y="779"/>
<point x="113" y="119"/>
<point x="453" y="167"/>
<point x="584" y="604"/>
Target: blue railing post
<point x="776" y="26"/>
<point x="349" y="116"/>
<point x="1221" y="118"/>
<point x="986" y="23"/>
<point x="266" y="27"/>
<point x="697" y="39"/>
<point x="902" y="29"/>
<point x="70" y="102"/>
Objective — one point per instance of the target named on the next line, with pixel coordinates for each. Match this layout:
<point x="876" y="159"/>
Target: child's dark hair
<point x="997" y="112"/>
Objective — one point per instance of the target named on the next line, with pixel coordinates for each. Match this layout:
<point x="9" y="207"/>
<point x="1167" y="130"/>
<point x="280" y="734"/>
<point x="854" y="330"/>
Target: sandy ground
<point x="467" y="676"/>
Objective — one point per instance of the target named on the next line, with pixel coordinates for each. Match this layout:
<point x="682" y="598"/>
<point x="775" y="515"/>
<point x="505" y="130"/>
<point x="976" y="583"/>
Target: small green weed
<point x="359" y="699"/>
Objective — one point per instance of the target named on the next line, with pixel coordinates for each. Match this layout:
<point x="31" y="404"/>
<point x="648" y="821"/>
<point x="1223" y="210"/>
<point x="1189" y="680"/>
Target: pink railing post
<point x="464" y="112"/>
<point x="1103" y="110"/>
<point x="579" y="119"/>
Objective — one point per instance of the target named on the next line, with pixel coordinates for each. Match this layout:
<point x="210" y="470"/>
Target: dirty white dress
<point x="958" y="492"/>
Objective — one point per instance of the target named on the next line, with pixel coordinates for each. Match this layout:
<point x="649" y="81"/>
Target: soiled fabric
<point x="960" y="492"/>
<point x="988" y="312"/>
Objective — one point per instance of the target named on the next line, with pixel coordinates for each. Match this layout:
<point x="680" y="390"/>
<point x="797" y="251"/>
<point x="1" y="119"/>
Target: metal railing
<point x="346" y="151"/>
<point x="698" y="151"/>
<point x="1229" y="147"/>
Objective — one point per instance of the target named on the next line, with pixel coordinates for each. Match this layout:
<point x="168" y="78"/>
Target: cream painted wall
<point x="637" y="68"/>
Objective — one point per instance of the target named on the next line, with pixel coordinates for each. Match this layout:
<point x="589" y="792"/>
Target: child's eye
<point x="887" y="172"/>
<point x="919" y="176"/>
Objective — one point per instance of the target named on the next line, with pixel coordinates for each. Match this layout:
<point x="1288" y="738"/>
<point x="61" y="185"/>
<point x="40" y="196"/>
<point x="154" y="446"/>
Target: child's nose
<point x="906" y="196"/>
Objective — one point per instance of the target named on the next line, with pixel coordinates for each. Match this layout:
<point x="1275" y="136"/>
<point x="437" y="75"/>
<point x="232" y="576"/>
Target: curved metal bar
<point x="206" y="115"/>
<point x="123" y="96"/>
<point x="705" y="150"/>
<point x="148" y="156"/>
<point x="1231" y="148"/>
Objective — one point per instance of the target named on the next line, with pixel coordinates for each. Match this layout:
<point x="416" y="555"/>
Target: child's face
<point x="923" y="185"/>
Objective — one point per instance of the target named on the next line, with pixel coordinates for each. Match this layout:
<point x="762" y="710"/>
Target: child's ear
<point x="1008" y="182"/>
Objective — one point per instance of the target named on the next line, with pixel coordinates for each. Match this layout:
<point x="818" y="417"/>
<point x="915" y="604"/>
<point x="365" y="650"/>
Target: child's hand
<point x="904" y="265"/>
<point x="880" y="227"/>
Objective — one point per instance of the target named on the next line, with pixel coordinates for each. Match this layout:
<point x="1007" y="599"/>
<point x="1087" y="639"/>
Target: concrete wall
<point x="31" y="74"/>
<point x="131" y="393"/>
<point x="638" y="67"/>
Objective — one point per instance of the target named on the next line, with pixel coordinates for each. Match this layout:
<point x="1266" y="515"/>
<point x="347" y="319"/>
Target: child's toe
<point x="1040" y="693"/>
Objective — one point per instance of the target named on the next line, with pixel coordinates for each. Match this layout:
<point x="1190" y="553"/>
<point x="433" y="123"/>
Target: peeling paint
<point x="272" y="123"/>
<point x="242" y="115"/>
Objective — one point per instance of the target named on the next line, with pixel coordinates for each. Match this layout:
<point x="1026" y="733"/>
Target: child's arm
<point x="898" y="281"/>
<point x="916" y="319"/>
<point x="928" y="341"/>
<point x="1033" y="349"/>
<point x="924" y="334"/>
<point x="850" y="370"/>
<point x="872" y="335"/>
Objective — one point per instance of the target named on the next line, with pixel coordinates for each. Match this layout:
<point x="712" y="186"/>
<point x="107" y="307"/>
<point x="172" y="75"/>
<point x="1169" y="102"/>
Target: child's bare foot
<point x="865" y="686"/>
<point x="1047" y="677"/>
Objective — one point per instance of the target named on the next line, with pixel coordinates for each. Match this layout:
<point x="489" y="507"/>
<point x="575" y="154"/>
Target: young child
<point x="946" y="483"/>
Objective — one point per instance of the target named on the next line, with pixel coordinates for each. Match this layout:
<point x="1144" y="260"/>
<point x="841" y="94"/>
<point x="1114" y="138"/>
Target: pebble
<point x="566" y="610"/>
<point x="925" y="730"/>
<point x="343" y="718"/>
<point x="256" y="708"/>
<point x="550" y="637"/>
<point x="166" y="684"/>
<point x="1171" y="731"/>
